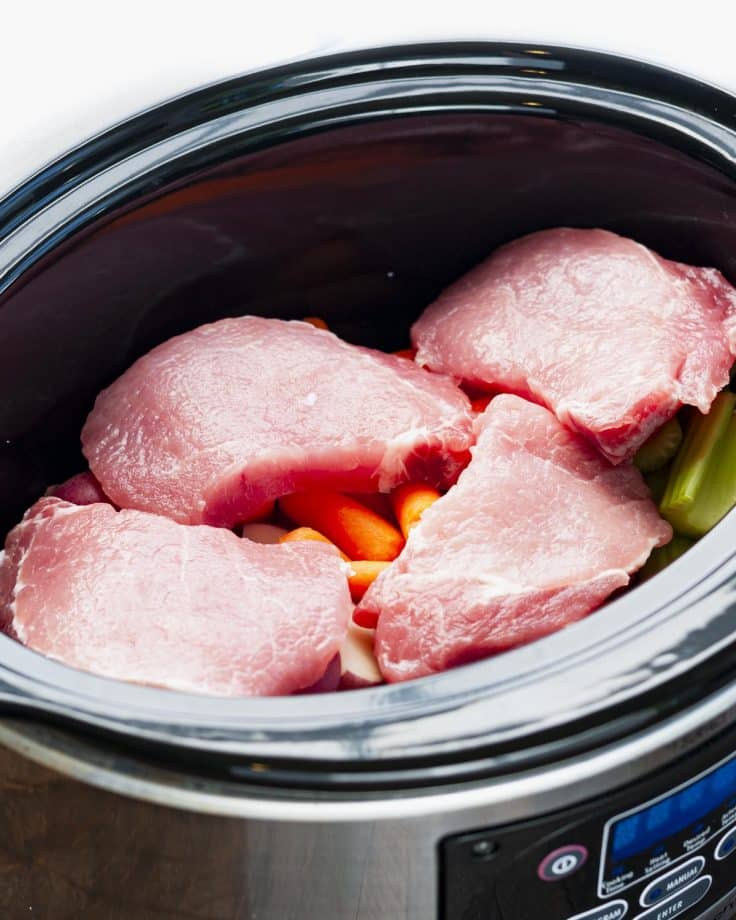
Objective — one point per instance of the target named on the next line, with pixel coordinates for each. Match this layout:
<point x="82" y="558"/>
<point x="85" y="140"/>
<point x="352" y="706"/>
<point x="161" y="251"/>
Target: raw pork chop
<point x="82" y="489"/>
<point x="213" y="424"/>
<point x="609" y="336"/>
<point x="538" y="531"/>
<point x="137" y="597"/>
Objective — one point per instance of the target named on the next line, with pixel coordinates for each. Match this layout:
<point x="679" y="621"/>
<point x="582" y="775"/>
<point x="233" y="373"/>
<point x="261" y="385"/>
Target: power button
<point x="562" y="863"/>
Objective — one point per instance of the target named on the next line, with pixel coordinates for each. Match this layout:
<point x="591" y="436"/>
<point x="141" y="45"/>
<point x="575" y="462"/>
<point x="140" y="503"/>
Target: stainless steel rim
<point x="504" y="799"/>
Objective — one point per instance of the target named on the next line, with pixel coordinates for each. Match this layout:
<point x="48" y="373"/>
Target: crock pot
<point x="588" y="775"/>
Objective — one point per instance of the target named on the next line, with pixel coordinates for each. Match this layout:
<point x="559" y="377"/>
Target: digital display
<point x="681" y="810"/>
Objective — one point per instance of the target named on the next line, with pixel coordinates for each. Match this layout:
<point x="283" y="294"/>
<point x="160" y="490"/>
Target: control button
<point x="726" y="845"/>
<point x="672" y="881"/>
<point x="613" y="910"/>
<point x="562" y="863"/>
<point x="678" y="903"/>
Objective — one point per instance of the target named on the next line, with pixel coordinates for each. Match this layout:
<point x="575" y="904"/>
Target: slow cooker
<point x="589" y="775"/>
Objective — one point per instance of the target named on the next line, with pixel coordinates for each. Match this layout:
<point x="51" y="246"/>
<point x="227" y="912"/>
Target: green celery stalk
<point x="663" y="556"/>
<point x="657" y="482"/>
<point x="717" y="494"/>
<point x="660" y="448"/>
<point x="692" y="464"/>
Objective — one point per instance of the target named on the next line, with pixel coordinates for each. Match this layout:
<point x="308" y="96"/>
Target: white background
<point x="69" y="69"/>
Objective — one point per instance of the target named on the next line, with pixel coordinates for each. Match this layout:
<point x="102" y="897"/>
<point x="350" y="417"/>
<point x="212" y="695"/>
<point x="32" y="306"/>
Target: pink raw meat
<point x="137" y="597"/>
<point x="212" y="424"/>
<point x="538" y="531"/>
<point x="82" y="489"/>
<point x="607" y="334"/>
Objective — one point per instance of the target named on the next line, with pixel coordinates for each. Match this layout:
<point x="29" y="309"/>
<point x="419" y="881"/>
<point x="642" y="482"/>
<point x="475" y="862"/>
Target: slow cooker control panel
<point x="661" y="849"/>
<point x="659" y="837"/>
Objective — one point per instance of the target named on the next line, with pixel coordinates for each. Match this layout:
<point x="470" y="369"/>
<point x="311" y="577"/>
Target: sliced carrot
<point x="354" y="528"/>
<point x="304" y="533"/>
<point x="364" y="573"/>
<point x="379" y="502"/>
<point x="409" y="353"/>
<point x="316" y="321"/>
<point x="410" y="501"/>
<point x="308" y="533"/>
<point x="368" y="619"/>
<point x="481" y="403"/>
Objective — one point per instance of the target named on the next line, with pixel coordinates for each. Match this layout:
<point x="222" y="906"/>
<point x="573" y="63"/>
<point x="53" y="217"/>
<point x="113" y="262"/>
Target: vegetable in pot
<point x="364" y="573"/>
<point x="409" y="502"/>
<point x="660" y="448"/>
<point x="308" y="533"/>
<point x="657" y="482"/>
<point x="662" y="556"/>
<point x="702" y="484"/>
<point x="354" y="528"/>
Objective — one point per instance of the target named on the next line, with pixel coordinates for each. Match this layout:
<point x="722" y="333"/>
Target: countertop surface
<point x="70" y="70"/>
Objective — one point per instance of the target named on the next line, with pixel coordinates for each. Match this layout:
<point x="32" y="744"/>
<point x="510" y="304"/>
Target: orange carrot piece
<point x="410" y="501"/>
<point x="368" y="619"/>
<point x="365" y="572"/>
<point x="316" y="321"/>
<point x="408" y="353"/>
<point x="379" y="502"/>
<point x="481" y="403"/>
<point x="354" y="528"/>
<point x="308" y="533"/>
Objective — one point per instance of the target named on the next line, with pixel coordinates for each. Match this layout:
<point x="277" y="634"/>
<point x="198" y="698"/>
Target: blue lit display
<point x="676" y="813"/>
<point x="659" y="816"/>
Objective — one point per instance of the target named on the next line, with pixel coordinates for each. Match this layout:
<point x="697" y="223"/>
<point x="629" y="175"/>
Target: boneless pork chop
<point x="212" y="424"/>
<point x="600" y="329"/>
<point x="137" y="597"/>
<point x="538" y="531"/>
